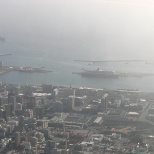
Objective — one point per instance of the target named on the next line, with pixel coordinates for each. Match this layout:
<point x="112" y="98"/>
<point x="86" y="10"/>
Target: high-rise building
<point x="47" y="88"/>
<point x="55" y="92"/>
<point x="104" y="102"/>
<point x="29" y="113"/>
<point x="18" y="106"/>
<point x="30" y="102"/>
<point x="2" y="114"/>
<point x="28" y="148"/>
<point x="1" y="101"/>
<point x="19" y="99"/>
<point x="8" y="108"/>
<point x="73" y="100"/>
<point x="58" y="106"/>
<point x="50" y="148"/>
<point x="17" y="139"/>
<point x="39" y="112"/>
<point x="33" y="141"/>
<point x="12" y="100"/>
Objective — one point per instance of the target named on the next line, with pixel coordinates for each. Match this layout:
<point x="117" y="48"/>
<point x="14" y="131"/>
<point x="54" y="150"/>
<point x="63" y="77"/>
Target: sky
<point x="125" y="27"/>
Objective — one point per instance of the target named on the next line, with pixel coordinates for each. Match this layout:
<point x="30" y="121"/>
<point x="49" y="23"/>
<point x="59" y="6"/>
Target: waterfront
<point x="62" y="72"/>
<point x="55" y="41"/>
<point x="63" y="65"/>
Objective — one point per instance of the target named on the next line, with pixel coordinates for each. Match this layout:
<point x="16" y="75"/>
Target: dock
<point x="109" y="61"/>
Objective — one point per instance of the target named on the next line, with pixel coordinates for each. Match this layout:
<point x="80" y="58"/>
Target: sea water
<point x="63" y="66"/>
<point x="53" y="34"/>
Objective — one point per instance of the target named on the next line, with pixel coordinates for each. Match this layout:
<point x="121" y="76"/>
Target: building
<point x="8" y="108"/>
<point x="39" y="113"/>
<point x="104" y="102"/>
<point x="28" y="148"/>
<point x="47" y="88"/>
<point x="30" y="102"/>
<point x="17" y="139"/>
<point x="50" y="147"/>
<point x="12" y="100"/>
<point x="18" y="106"/>
<point x="3" y="100"/>
<point x="29" y="113"/>
<point x="2" y="114"/>
<point x="19" y="99"/>
<point x="58" y="106"/>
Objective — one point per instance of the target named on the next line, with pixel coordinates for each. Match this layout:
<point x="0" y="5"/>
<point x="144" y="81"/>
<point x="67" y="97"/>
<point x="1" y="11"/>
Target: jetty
<point x="108" y="61"/>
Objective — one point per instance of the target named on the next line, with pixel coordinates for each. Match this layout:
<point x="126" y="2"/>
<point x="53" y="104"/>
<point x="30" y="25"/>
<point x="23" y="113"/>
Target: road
<point x="145" y="112"/>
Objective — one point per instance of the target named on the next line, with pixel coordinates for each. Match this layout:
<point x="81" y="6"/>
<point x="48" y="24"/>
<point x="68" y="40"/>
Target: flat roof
<point x="132" y="113"/>
<point x="41" y="94"/>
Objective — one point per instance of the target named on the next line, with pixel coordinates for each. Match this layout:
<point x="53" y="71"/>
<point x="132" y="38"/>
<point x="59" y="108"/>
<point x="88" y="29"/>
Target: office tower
<point x="47" y="88"/>
<point x="28" y="148"/>
<point x="29" y="113"/>
<point x="39" y="112"/>
<point x="18" y="106"/>
<point x="50" y="148"/>
<point x="2" y="114"/>
<point x="8" y="108"/>
<point x="12" y="100"/>
<point x="17" y="139"/>
<point x="73" y="100"/>
<point x="1" y="101"/>
<point x="33" y="141"/>
<point x="58" y="106"/>
<point x="104" y="102"/>
<point x="19" y="99"/>
<point x="30" y="102"/>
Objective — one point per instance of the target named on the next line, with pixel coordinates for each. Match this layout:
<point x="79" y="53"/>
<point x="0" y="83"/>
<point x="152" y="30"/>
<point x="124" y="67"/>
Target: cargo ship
<point x="98" y="74"/>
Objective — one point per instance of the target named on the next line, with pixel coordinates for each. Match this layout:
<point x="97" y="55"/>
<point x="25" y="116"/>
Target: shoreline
<point x="7" y="69"/>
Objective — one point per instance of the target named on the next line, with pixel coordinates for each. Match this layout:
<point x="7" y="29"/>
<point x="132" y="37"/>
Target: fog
<point x="124" y="29"/>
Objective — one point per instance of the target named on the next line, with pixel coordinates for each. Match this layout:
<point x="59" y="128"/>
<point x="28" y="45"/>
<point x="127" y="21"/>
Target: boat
<point x="99" y="74"/>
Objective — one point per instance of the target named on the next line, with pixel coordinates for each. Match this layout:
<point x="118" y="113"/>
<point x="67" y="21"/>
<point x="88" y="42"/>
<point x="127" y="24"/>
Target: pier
<point x="107" y="61"/>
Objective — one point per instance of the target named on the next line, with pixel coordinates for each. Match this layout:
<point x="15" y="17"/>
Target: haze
<point x="100" y="29"/>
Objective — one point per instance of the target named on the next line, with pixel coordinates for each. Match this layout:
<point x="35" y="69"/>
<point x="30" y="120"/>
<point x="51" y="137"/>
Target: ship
<point x="98" y="74"/>
<point x="111" y="74"/>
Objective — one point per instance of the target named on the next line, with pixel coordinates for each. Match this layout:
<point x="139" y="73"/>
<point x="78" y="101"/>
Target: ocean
<point x="53" y="34"/>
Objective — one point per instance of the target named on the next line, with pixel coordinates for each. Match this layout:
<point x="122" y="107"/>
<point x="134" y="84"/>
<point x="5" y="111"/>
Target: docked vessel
<point x="111" y="74"/>
<point x="99" y="74"/>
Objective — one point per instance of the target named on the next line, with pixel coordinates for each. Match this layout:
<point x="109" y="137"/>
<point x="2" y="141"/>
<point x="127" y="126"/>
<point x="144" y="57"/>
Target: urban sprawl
<point x="47" y="119"/>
